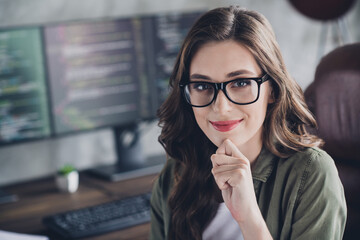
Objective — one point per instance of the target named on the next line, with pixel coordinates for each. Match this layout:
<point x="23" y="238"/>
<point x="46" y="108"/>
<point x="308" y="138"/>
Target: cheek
<point x="259" y="108"/>
<point x="256" y="113"/>
<point x="200" y="116"/>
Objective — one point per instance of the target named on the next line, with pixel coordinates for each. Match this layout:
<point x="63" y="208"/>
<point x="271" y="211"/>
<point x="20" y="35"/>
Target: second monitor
<point x="115" y="74"/>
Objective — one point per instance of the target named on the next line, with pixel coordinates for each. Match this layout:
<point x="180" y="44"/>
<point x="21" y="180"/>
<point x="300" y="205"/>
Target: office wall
<point x="297" y="35"/>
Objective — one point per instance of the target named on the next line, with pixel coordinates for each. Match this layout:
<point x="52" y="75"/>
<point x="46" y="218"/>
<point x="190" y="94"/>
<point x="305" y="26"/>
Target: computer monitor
<point x="93" y="74"/>
<point x="113" y="73"/>
<point x="94" y="79"/>
<point x="24" y="110"/>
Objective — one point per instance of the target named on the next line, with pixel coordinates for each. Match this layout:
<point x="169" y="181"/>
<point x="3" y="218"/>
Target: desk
<point x="40" y="198"/>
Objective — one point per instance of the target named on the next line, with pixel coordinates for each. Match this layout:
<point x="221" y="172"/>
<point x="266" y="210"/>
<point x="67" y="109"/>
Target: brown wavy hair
<point x="194" y="197"/>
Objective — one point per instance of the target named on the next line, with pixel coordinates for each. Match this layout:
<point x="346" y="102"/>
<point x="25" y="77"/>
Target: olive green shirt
<point x="300" y="197"/>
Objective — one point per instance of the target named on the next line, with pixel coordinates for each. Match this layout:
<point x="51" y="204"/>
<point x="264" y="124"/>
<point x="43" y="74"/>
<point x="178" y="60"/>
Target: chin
<point x="218" y="140"/>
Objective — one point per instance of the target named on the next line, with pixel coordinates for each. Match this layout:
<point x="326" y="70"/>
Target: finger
<point x="226" y="168"/>
<point x="230" y="149"/>
<point x="229" y="174"/>
<point x="221" y="149"/>
<point x="230" y="178"/>
<point x="218" y="160"/>
<point x="221" y="181"/>
<point x="213" y="161"/>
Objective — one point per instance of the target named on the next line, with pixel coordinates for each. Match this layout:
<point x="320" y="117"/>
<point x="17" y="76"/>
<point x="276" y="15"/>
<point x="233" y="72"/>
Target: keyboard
<point x="99" y="219"/>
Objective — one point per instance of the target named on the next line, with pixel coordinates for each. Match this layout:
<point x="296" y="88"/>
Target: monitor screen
<point x="93" y="74"/>
<point x="111" y="73"/>
<point x="24" y="108"/>
<point x="168" y="34"/>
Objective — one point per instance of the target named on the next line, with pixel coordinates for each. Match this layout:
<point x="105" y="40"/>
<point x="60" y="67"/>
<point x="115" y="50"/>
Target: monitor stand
<point x="131" y="162"/>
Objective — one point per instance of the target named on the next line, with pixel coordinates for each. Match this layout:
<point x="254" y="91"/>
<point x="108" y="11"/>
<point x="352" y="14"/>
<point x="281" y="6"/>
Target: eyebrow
<point x="199" y="76"/>
<point x="239" y="72"/>
<point x="229" y="75"/>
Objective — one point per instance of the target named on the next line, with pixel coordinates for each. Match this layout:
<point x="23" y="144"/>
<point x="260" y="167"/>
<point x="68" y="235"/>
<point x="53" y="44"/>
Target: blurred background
<point x="303" y="40"/>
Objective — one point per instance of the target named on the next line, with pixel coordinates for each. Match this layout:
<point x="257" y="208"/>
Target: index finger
<point x="228" y="148"/>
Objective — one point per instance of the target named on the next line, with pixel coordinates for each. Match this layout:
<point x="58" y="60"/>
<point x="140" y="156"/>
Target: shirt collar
<point x="264" y="165"/>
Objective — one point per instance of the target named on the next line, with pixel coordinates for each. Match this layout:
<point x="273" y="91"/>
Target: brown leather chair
<point x="334" y="99"/>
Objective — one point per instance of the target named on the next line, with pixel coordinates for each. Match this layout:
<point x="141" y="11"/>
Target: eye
<point x="201" y="86"/>
<point x="241" y="83"/>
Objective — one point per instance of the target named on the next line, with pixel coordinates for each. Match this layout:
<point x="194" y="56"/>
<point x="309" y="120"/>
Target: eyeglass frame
<point x="222" y="86"/>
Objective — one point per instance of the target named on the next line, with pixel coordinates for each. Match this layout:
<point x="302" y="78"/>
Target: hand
<point x="232" y="173"/>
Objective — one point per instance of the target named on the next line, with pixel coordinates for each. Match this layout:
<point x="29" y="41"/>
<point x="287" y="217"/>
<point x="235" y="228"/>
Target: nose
<point x="221" y="104"/>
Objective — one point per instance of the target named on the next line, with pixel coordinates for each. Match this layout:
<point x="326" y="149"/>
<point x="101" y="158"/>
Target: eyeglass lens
<point x="241" y="91"/>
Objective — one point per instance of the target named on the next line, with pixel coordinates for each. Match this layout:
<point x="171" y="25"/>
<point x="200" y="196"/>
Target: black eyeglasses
<point x="241" y="91"/>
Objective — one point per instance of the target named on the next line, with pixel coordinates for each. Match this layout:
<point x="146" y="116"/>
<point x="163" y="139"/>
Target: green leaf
<point x="66" y="169"/>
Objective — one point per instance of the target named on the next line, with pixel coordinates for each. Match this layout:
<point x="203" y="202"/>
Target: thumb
<point x="228" y="148"/>
<point x="221" y="149"/>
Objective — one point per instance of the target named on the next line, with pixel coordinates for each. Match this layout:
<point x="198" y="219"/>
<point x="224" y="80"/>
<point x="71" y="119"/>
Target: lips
<point x="225" y="126"/>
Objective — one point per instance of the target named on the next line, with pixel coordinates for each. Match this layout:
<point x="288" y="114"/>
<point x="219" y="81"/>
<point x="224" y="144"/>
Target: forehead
<point x="217" y="59"/>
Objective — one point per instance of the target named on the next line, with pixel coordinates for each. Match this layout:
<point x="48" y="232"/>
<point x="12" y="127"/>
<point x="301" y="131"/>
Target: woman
<point x="241" y="163"/>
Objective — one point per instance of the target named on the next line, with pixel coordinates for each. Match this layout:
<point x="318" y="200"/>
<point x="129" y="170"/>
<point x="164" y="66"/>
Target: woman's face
<point x="242" y="124"/>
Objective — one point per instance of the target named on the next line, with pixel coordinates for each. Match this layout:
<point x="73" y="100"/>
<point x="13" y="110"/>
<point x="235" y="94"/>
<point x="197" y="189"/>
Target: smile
<point x="225" y="126"/>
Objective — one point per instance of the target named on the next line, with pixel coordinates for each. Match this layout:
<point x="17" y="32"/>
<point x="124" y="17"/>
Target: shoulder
<point x="318" y="195"/>
<point x="309" y="170"/>
<point x="319" y="163"/>
<point x="313" y="195"/>
<point x="312" y="153"/>
<point x="316" y="172"/>
<point x="311" y="160"/>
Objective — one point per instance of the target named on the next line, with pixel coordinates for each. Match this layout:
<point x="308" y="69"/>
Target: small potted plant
<point x="67" y="178"/>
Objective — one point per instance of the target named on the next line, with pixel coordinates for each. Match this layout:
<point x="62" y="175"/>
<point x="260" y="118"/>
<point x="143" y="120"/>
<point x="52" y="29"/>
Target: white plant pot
<point x="69" y="182"/>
